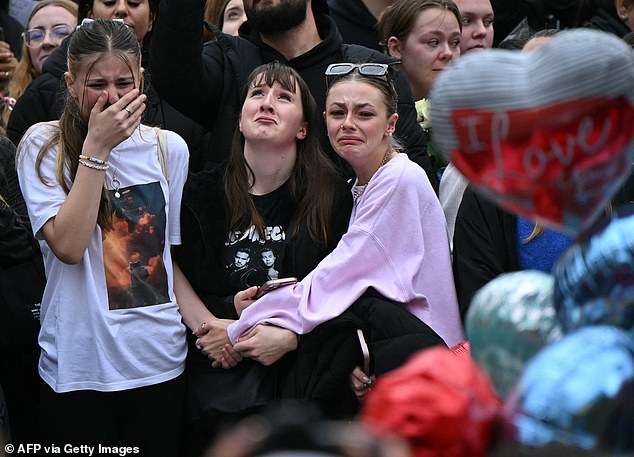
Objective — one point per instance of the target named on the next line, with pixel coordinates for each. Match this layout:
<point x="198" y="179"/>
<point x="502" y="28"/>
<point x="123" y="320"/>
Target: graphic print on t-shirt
<point x="133" y="250"/>
<point x="250" y="260"/>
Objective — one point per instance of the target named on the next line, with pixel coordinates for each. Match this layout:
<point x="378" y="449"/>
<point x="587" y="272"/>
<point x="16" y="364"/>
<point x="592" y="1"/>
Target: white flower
<point x="422" y="113"/>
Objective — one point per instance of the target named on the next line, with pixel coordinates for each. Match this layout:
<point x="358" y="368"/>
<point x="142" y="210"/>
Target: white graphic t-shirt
<point x="111" y="321"/>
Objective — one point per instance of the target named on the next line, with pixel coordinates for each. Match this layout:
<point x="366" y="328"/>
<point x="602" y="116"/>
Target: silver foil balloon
<point x="510" y="319"/>
<point x="594" y="280"/>
<point x="577" y="392"/>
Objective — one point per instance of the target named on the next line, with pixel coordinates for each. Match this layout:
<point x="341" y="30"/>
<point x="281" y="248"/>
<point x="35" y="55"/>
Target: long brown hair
<point x="97" y="37"/>
<point x="312" y="179"/>
<point x="25" y="71"/>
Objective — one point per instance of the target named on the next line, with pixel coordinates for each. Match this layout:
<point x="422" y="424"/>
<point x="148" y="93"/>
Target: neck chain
<point x="115" y="183"/>
<point x="357" y="191"/>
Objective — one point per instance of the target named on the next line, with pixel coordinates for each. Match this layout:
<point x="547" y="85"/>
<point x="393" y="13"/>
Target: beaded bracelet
<point x="93" y="166"/>
<point x="93" y="160"/>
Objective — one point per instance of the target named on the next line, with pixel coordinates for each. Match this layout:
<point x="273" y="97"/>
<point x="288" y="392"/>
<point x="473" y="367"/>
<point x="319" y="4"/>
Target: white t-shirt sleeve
<point x="178" y="163"/>
<point x="42" y="193"/>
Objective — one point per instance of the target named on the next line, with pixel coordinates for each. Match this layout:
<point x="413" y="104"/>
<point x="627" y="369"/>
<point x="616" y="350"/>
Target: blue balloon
<point x="594" y="280"/>
<point x="511" y="319"/>
<point x="578" y="392"/>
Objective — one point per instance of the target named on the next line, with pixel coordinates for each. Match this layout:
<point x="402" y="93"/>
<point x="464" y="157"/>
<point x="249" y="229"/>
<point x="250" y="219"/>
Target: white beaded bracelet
<point x="93" y="166"/>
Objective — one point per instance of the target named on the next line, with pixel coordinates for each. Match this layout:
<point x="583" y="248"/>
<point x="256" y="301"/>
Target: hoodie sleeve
<point x="190" y="80"/>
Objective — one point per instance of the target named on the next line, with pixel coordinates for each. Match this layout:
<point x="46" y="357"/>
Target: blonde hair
<point x="538" y="229"/>
<point x="25" y="71"/>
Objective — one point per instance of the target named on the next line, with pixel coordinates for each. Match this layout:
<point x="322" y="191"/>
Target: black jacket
<point x="205" y="82"/>
<point x="22" y="276"/>
<point x="484" y="246"/>
<point x="22" y="282"/>
<point x="45" y="97"/>
<point x="328" y="354"/>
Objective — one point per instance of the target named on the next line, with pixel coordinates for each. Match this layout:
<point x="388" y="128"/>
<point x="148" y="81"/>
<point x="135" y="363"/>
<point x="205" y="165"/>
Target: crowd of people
<point x="161" y="160"/>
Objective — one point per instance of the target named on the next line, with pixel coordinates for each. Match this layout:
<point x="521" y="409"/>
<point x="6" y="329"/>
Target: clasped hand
<point x="265" y="344"/>
<point x="213" y="339"/>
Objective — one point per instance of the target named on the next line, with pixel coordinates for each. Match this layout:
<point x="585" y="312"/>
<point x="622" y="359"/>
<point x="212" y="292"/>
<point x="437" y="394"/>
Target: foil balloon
<point x="577" y="392"/>
<point x="442" y="403"/>
<point x="549" y="134"/>
<point x="594" y="280"/>
<point x="509" y="320"/>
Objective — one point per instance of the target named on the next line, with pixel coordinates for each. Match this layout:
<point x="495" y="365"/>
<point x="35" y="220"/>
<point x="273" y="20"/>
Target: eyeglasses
<point x="375" y="70"/>
<point x="35" y="37"/>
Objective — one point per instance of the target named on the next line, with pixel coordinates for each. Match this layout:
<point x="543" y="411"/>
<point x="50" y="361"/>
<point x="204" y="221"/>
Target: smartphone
<point x="273" y="284"/>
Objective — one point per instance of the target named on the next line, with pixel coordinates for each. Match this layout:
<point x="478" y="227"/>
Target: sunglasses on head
<point x="374" y="70"/>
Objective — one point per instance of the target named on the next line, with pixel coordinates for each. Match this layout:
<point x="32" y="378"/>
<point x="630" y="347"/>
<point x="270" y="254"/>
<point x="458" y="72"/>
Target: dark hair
<point x="86" y="5"/>
<point x="399" y="18"/>
<point x="97" y="37"/>
<point x="312" y="179"/>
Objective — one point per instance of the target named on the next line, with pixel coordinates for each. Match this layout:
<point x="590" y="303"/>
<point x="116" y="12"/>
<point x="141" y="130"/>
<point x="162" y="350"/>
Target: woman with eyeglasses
<point x="396" y="245"/>
<point x="49" y="23"/>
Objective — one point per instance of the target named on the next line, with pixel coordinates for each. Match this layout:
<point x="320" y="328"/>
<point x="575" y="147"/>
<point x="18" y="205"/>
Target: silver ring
<point x="198" y="346"/>
<point x="127" y="111"/>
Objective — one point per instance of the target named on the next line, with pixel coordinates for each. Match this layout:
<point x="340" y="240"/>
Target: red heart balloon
<point x="548" y="135"/>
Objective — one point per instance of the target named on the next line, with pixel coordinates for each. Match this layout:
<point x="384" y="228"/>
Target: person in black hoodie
<point x="45" y="97"/>
<point x="205" y="82"/>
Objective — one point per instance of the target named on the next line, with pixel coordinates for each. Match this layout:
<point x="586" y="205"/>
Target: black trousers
<point x="150" y="418"/>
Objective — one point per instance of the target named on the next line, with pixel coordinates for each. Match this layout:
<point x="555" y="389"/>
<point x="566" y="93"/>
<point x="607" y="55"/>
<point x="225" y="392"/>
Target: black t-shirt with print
<point x="251" y="259"/>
